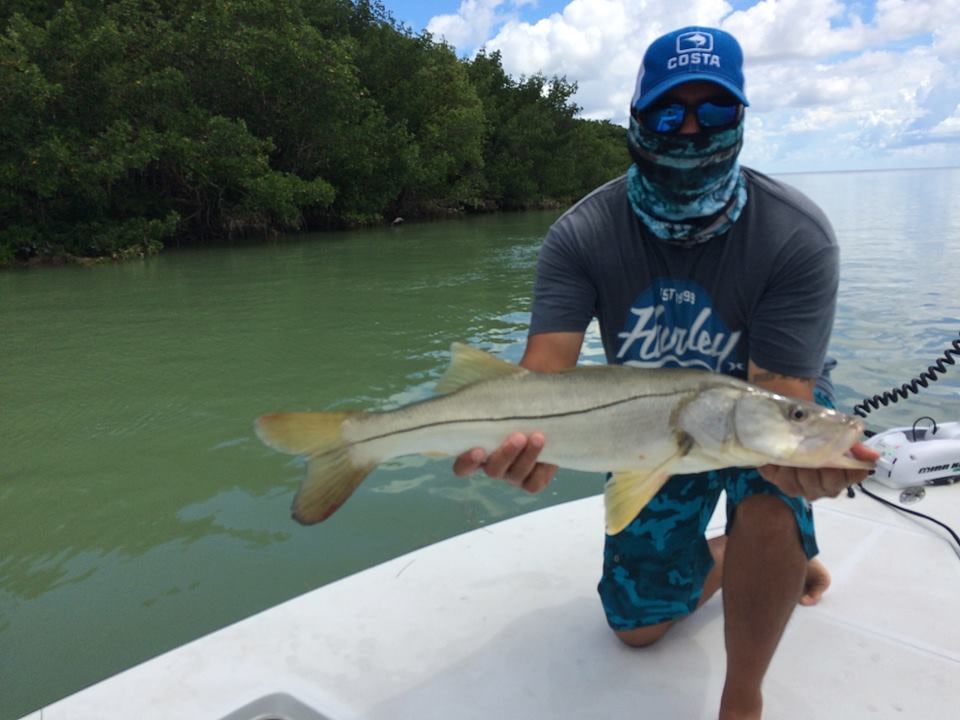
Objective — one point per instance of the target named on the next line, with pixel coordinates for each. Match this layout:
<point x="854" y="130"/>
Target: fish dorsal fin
<point x="469" y="365"/>
<point x="628" y="492"/>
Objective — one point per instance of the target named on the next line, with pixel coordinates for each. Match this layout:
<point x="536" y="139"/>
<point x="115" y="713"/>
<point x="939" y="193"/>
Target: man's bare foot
<point x="816" y="583"/>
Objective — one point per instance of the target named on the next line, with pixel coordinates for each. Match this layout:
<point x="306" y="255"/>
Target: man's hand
<point x="806" y="482"/>
<point x="515" y="461"/>
<point x="814" y="484"/>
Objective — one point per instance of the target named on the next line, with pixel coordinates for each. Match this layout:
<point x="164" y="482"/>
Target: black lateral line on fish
<point x="569" y="413"/>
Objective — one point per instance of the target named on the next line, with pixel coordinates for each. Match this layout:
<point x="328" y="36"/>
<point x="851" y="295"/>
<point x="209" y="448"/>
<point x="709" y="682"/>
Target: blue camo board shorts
<point x="653" y="571"/>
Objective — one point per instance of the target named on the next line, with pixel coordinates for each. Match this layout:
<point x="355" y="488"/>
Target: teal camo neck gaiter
<point x="686" y="189"/>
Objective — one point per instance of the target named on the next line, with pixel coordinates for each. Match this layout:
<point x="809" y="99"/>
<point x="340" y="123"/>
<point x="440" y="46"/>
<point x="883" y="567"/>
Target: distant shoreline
<point x="863" y="170"/>
<point x="71" y="260"/>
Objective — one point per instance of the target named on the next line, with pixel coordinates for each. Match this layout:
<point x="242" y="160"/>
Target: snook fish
<point x="642" y="425"/>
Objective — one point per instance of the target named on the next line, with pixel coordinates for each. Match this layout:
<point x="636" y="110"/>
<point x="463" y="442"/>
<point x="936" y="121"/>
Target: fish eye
<point x="797" y="413"/>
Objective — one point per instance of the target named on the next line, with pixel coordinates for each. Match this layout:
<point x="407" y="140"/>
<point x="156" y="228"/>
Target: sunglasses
<point x="667" y="118"/>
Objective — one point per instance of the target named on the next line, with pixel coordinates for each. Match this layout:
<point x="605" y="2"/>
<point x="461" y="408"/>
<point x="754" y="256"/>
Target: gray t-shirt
<point x="765" y="291"/>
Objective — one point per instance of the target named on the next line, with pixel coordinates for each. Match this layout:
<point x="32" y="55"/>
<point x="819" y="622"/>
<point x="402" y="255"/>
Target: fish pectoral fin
<point x="469" y="365"/>
<point x="627" y="493"/>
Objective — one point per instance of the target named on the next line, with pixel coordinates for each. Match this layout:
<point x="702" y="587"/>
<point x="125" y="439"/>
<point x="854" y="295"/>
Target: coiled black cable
<point x="932" y="374"/>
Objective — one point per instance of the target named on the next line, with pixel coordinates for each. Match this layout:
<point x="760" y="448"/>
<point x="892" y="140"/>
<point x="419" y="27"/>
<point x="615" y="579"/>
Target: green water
<point x="137" y="510"/>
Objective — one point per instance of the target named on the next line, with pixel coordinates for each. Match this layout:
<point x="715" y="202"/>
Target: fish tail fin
<point x="332" y="475"/>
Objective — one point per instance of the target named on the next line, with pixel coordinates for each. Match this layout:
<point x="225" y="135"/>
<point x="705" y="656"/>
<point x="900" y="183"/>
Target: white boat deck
<point x="504" y="622"/>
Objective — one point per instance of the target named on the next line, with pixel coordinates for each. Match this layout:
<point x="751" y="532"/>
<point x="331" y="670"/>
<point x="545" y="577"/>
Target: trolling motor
<point x="915" y="456"/>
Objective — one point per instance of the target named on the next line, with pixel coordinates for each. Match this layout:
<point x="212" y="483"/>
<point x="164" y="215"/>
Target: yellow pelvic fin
<point x="627" y="493"/>
<point x="332" y="476"/>
<point x="469" y="365"/>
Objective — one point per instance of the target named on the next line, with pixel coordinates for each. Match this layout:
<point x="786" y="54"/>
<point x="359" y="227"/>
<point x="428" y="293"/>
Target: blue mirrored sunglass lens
<point x="664" y="119"/>
<point x="711" y="115"/>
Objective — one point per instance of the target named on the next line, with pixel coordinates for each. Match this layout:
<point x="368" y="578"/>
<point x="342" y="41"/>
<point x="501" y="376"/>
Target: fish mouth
<point x="847" y="440"/>
<point x="833" y="443"/>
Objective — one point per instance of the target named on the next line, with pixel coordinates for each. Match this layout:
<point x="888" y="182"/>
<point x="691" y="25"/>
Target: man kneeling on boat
<point x="690" y="260"/>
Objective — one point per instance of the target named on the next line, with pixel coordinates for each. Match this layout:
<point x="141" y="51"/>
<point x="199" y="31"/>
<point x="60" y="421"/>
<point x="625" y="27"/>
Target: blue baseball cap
<point x="690" y="53"/>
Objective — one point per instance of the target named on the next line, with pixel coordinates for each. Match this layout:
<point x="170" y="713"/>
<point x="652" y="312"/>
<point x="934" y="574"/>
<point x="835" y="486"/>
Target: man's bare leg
<point x="816" y="582"/>
<point x="763" y="579"/>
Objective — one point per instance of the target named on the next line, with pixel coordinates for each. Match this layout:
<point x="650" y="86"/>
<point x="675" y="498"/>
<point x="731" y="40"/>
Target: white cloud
<point x="901" y="18"/>
<point x="470" y="26"/>
<point x="865" y="111"/>
<point x="475" y="20"/>
<point x="599" y="44"/>
<point x="802" y="28"/>
<point x="950" y="126"/>
<point x="830" y="85"/>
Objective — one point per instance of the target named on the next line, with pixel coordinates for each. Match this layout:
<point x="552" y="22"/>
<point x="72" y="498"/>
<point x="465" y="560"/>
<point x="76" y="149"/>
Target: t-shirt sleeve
<point x="564" y="296"/>
<point x="794" y="317"/>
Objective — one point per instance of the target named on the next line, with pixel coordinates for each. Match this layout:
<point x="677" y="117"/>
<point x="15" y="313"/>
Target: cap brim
<point x="654" y="94"/>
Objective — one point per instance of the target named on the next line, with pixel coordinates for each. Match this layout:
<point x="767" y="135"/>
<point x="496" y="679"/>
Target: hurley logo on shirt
<point x="672" y="324"/>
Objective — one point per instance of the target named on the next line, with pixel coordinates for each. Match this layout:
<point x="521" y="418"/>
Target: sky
<point x="832" y="84"/>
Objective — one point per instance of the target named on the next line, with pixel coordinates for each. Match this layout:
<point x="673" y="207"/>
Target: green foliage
<point x="598" y="152"/>
<point x="129" y="123"/>
<point x="536" y="151"/>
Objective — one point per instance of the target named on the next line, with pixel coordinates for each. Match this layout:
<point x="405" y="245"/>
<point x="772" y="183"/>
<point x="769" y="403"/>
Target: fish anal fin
<point x="331" y="479"/>
<point x="469" y="365"/>
<point x="332" y="474"/>
<point x="627" y="493"/>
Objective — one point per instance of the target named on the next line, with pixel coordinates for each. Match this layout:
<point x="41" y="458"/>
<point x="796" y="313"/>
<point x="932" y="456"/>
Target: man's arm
<point x="516" y="460"/>
<point x="806" y="482"/>
<point x="552" y="352"/>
